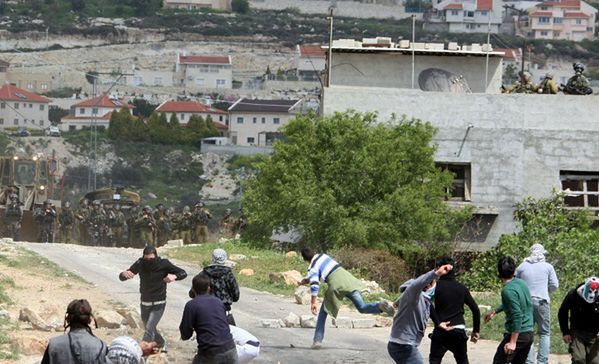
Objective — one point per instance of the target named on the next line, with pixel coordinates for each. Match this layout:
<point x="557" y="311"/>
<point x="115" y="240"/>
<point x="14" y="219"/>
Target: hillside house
<point x="98" y="110"/>
<point x="467" y="16"/>
<point x="186" y="109"/>
<point x="204" y="72"/>
<point x="197" y="4"/>
<point x="310" y="61"/>
<point x="21" y="108"/>
<point x="568" y="19"/>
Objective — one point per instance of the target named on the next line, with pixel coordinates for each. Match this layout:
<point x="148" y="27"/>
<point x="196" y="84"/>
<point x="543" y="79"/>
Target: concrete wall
<point x="517" y="146"/>
<point x="28" y="114"/>
<point x="395" y="69"/>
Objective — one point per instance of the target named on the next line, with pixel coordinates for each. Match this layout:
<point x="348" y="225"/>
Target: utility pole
<point x="413" y="50"/>
<point x="330" y="53"/>
<point x="488" y="50"/>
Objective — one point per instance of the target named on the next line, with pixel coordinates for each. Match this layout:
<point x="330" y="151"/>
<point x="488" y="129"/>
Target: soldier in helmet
<point x="523" y="86"/>
<point x="226" y="223"/>
<point x="578" y="84"/>
<point x="146" y="224"/>
<point x="184" y="225"/>
<point x="45" y="217"/>
<point x="201" y="215"/>
<point x="83" y="221"/>
<point x="117" y="225"/>
<point x="13" y="215"/>
<point x="97" y="223"/>
<point x="66" y="219"/>
<point x="163" y="225"/>
<point x="132" y="230"/>
<point x="548" y="85"/>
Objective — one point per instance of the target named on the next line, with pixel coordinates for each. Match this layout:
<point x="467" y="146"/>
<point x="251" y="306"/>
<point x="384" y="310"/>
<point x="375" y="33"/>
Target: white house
<point x="98" y="110"/>
<point x="310" y="61"/>
<point x="204" y="72"/>
<point x="186" y="109"/>
<point x="258" y="122"/>
<point x="20" y="108"/>
<point x="468" y="16"/>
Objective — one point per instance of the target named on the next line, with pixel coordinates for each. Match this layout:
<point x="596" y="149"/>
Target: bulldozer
<point x="30" y="179"/>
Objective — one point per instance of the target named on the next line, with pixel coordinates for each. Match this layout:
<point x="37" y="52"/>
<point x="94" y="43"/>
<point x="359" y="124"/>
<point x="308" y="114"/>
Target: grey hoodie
<point x="414" y="310"/>
<point x="78" y="346"/>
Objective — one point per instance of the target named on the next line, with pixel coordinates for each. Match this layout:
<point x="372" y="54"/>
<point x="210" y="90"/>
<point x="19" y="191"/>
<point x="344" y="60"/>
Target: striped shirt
<point x="320" y="267"/>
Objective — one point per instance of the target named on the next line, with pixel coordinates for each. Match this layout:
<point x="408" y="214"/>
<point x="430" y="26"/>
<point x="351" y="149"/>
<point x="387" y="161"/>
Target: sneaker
<point x="317" y="345"/>
<point x="387" y="307"/>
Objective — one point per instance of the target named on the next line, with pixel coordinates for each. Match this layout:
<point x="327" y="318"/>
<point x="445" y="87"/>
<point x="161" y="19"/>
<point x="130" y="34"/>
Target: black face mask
<point x="150" y="263"/>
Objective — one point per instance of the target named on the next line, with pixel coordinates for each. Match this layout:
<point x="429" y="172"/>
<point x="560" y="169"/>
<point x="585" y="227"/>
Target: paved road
<point x="102" y="265"/>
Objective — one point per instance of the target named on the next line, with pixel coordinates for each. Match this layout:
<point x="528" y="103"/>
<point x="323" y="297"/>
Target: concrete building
<point x="98" y="110"/>
<point x="197" y="4"/>
<point x="32" y="82"/>
<point x="150" y="78"/>
<point x="310" y="61"/>
<point x="21" y="108"/>
<point x="258" y="122"/>
<point x="512" y="63"/>
<point x="204" y="72"/>
<point x="568" y="19"/>
<point x="436" y="67"/>
<point x="186" y="109"/>
<point x="501" y="148"/>
<point x="467" y="16"/>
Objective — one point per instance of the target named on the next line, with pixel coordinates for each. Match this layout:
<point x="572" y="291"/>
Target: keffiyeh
<point x="537" y="254"/>
<point x="219" y="256"/>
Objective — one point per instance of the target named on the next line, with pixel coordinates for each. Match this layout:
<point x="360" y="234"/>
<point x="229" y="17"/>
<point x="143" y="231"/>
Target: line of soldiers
<point x="576" y="85"/>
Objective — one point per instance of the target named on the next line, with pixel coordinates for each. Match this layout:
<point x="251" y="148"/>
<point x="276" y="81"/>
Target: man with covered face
<point x="579" y="322"/>
<point x="154" y="274"/>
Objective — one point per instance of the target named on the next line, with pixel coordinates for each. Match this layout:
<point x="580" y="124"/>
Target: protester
<point x="222" y="281"/>
<point x="448" y="315"/>
<point x="248" y="346"/>
<point x="79" y="345"/>
<point x="517" y="304"/>
<point x="154" y="274"/>
<point x="124" y="350"/>
<point x="411" y="319"/>
<point x="340" y="284"/>
<point x="579" y="322"/>
<point x="541" y="280"/>
<point x="205" y="314"/>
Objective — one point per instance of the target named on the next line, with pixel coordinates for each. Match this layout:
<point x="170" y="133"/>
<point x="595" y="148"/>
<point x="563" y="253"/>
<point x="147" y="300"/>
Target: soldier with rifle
<point x="45" y="217"/>
<point x="201" y="215"/>
<point x="66" y="219"/>
<point x="146" y="224"/>
<point x="577" y="84"/>
<point x="116" y="220"/>
<point x="97" y="222"/>
<point x="83" y="221"/>
<point x="13" y="216"/>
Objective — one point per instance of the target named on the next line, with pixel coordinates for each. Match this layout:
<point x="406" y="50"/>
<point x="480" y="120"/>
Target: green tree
<point x="55" y="114"/>
<point x="210" y="128"/>
<point x="240" y="6"/>
<point x="175" y="134"/>
<point x="139" y="132"/>
<point x="196" y="127"/>
<point x="143" y="108"/>
<point x="350" y="180"/>
<point x="566" y="234"/>
<point x="120" y="125"/>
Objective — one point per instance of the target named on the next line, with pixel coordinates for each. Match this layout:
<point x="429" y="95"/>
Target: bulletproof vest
<point x="13" y="212"/>
<point x="66" y="217"/>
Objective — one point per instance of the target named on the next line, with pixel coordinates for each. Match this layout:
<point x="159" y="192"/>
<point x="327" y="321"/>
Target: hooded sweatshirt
<point x="414" y="309"/>
<point x="539" y="275"/>
<point x="576" y="313"/>
<point x="223" y="284"/>
<point x="151" y="277"/>
<point x="78" y="346"/>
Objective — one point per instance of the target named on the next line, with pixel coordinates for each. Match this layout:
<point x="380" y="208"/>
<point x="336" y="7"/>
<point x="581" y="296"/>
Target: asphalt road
<point x="101" y="266"/>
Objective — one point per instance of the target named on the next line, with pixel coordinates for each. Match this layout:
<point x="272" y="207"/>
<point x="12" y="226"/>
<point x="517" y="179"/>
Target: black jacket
<point x="582" y="315"/>
<point x="151" y="284"/>
<point x="450" y="298"/>
<point x="223" y="284"/>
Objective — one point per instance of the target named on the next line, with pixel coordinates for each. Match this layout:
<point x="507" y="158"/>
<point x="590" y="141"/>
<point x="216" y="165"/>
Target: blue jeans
<point x="357" y="300"/>
<point x="151" y="315"/>
<point x="542" y="318"/>
<point x="404" y="354"/>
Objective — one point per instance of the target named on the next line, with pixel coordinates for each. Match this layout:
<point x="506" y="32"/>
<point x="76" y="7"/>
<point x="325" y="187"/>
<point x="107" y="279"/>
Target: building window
<point x="81" y="110"/>
<point x="30" y="86"/>
<point x="558" y="20"/>
<point x="25" y="121"/>
<point x="555" y="35"/>
<point x="72" y="127"/>
<point x="16" y="121"/>
<point x="578" y="21"/>
<point x="41" y="123"/>
<point x="255" y="120"/>
<point x="581" y="189"/>
<point x="590" y="29"/>
<point x="220" y="118"/>
<point x="220" y="83"/>
<point x="95" y="111"/>
<point x="263" y="120"/>
<point x="544" y="33"/>
<point x="454" y="13"/>
<point x="483" y="13"/>
<point x="31" y="106"/>
<point x="182" y="117"/>
<point x="239" y="120"/>
<point x="276" y="120"/>
<point x="543" y="8"/>
<point x="251" y="140"/>
<point x="44" y="86"/>
<point x="460" y="189"/>
<point x="1" y="121"/>
<point x="200" y="82"/>
<point x="16" y="105"/>
<point x="2" y="105"/>
<point x="42" y="107"/>
<point x="544" y="20"/>
<point x="469" y="14"/>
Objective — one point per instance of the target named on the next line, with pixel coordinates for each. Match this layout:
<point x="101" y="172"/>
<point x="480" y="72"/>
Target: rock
<point x="290" y="278"/>
<point x="342" y="322"/>
<point x="6" y="241"/>
<point x="30" y="345"/>
<point x="109" y="319"/>
<point x="4" y="314"/>
<point x="271" y="323"/>
<point x="291" y="254"/>
<point x="371" y="287"/>
<point x="247" y="272"/>
<point x="237" y="257"/>
<point x="132" y="317"/>
<point x="484" y="308"/>
<point x="157" y="359"/>
<point x="302" y="295"/>
<point x="383" y="321"/>
<point x="230" y="263"/>
<point x="363" y="323"/>
<point x="152" y="196"/>
<point x="36" y="321"/>
<point x="308" y="321"/>
<point x="175" y="243"/>
<point x="292" y="320"/>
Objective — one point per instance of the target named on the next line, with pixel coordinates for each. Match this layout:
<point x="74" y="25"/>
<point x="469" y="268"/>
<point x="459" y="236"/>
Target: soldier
<point x="97" y="222"/>
<point x="83" y="221"/>
<point x="241" y="222"/>
<point x="132" y="230"/>
<point x="13" y="217"/>
<point x="201" y="215"/>
<point x="66" y="219"/>
<point x="145" y="223"/>
<point x="116" y="220"/>
<point x="548" y="86"/>
<point x="184" y="225"/>
<point x="226" y="223"/>
<point x="45" y="217"/>
<point x="578" y="84"/>
<point x="163" y="225"/>
<point x="523" y="86"/>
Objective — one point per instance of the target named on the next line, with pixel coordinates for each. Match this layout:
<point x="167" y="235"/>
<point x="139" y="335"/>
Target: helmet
<point x="228" y="211"/>
<point x="96" y="203"/>
<point x="185" y="209"/>
<point x="47" y="203"/>
<point x="117" y="206"/>
<point x="147" y="208"/>
<point x="549" y="75"/>
<point x="199" y="204"/>
<point x="14" y="196"/>
<point x="578" y="67"/>
<point x="67" y="204"/>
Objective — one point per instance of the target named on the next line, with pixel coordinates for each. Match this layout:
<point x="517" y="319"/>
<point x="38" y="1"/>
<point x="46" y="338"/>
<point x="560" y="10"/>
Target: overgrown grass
<point x="494" y="330"/>
<point x="9" y="352"/>
<point x="34" y="263"/>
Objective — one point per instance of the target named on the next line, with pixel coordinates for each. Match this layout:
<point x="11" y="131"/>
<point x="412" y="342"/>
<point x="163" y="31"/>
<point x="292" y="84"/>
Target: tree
<point x="210" y="128"/>
<point x="143" y="107"/>
<point x="175" y="134"/>
<point x="120" y="124"/>
<point x="240" y="6"/>
<point x="55" y="114"/>
<point x="349" y="180"/>
<point x="196" y="127"/>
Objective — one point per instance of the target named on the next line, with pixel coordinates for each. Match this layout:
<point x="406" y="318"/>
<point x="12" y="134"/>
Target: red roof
<point x="104" y="101"/>
<point x="510" y="53"/>
<point x="484" y="5"/>
<point x="312" y="51"/>
<point x="454" y="6"/>
<point x="220" y="125"/>
<point x="541" y="13"/>
<point x="205" y="59"/>
<point x="188" y="106"/>
<point x="10" y="92"/>
<point x="576" y="15"/>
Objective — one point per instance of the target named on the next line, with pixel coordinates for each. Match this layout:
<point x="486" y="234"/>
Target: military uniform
<point x="201" y="215"/>
<point x="548" y="86"/>
<point x="66" y="219"/>
<point x="117" y="223"/>
<point x="578" y="85"/>
<point x="146" y="225"/>
<point x="45" y="218"/>
<point x="83" y="223"/>
<point x="163" y="225"/>
<point x="522" y="87"/>
<point x="12" y="219"/>
<point x="184" y="225"/>
<point x="97" y="221"/>
<point x="226" y="223"/>
<point x="132" y="230"/>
